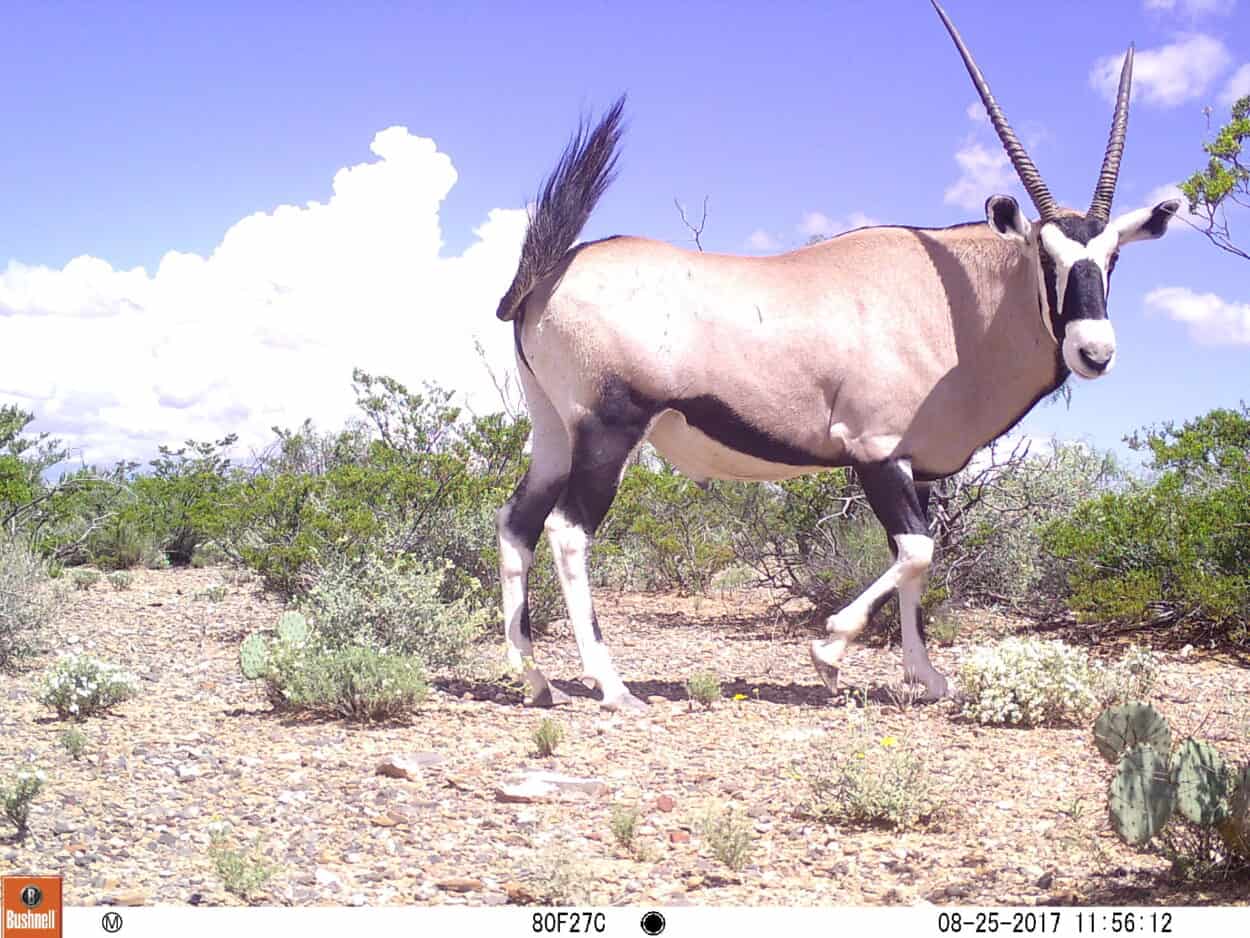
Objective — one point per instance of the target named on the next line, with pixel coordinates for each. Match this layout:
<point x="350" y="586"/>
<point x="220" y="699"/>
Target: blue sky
<point x="151" y="287"/>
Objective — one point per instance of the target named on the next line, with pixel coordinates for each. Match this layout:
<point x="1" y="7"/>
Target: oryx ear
<point x="1003" y="214"/>
<point x="1146" y="223"/>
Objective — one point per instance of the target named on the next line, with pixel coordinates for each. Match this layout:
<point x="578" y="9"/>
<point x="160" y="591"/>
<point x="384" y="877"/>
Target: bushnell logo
<point x="32" y="907"/>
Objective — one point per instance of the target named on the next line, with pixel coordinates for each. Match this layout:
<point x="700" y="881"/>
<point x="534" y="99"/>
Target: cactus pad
<point x="1202" y="783"/>
<point x="1141" y="796"/>
<point x="1119" y="729"/>
<point x="253" y="656"/>
<point x="293" y="628"/>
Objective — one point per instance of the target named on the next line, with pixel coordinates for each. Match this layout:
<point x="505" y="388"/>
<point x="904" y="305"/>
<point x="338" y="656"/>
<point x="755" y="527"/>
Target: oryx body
<point x="897" y="351"/>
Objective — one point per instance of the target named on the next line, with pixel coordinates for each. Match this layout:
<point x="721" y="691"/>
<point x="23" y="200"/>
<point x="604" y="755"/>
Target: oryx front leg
<point x="894" y="499"/>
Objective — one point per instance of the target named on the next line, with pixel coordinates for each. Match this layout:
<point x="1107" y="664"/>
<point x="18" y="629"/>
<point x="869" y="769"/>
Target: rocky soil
<point x="421" y="812"/>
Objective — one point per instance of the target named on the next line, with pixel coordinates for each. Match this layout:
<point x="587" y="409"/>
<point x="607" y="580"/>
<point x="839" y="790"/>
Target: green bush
<point x="1175" y="550"/>
<point x="866" y="778"/>
<point x="83" y="580"/>
<point x="397" y="605"/>
<point x="74" y="741"/>
<point x="17" y="794"/>
<point x="243" y="873"/>
<point x="547" y="737"/>
<point x="704" y="688"/>
<point x="663" y="532"/>
<point x="80" y="686"/>
<point x="355" y="682"/>
<point x="120" y="580"/>
<point x="729" y="835"/>
<point x="27" y="603"/>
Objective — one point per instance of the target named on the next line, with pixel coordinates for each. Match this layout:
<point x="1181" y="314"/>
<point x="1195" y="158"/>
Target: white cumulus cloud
<point x="820" y="224"/>
<point x="1193" y="8"/>
<point x="984" y="171"/>
<point x="266" y="329"/>
<point x="1238" y="86"/>
<point x="1212" y="320"/>
<point x="761" y="240"/>
<point x="1169" y="75"/>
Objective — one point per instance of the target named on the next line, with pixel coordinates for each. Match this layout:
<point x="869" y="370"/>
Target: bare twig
<point x="696" y="231"/>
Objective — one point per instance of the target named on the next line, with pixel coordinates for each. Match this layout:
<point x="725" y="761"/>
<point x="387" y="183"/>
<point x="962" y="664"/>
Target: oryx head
<point x="1075" y="253"/>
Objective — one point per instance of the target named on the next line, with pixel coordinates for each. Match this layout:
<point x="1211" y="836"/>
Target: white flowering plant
<point x="80" y="686"/>
<point x="1034" y="682"/>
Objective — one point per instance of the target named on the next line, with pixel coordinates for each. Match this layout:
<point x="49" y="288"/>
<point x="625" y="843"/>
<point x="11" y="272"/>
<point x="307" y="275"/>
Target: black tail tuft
<point x="565" y="202"/>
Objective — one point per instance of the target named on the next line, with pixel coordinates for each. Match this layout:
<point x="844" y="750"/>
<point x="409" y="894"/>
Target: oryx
<point x="897" y="351"/>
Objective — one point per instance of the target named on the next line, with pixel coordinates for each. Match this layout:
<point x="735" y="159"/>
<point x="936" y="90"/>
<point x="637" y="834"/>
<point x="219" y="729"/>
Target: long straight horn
<point x="1029" y="176"/>
<point x="1100" y="208"/>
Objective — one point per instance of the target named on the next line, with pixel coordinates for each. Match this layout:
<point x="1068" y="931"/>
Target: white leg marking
<point x="569" y="546"/>
<point x="514" y="565"/>
<point x="915" y="553"/>
<point x="917" y="668"/>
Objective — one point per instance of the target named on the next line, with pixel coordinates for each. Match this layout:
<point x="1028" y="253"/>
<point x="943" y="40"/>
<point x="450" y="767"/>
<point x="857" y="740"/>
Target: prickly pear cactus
<point x="1202" y="788"/>
<point x="1119" y="729"/>
<point x="1141" y="796"/>
<point x="293" y="628"/>
<point x="253" y="655"/>
<point x="1235" y="828"/>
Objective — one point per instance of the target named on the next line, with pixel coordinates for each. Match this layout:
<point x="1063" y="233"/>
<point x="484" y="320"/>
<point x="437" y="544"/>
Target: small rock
<point x="459" y="884"/>
<point x="407" y="766"/>
<point x="1045" y="881"/>
<point x="679" y="837"/>
<point x="543" y="786"/>
<point x="167" y="839"/>
<point x="357" y="899"/>
<point x="187" y="772"/>
<point x="665" y="803"/>
<point x="694" y="882"/>
<point x="495" y="898"/>
<point x="64" y="827"/>
<point x="519" y="893"/>
<point x="131" y="898"/>
<point x="329" y="879"/>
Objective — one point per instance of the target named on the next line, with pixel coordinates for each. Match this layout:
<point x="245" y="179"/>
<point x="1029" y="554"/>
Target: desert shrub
<point x="213" y="594"/>
<point x="80" y="686"/>
<point x="243" y="873"/>
<point x="1176" y="549"/>
<point x="17" y="793"/>
<point x="398" y="605"/>
<point x="867" y="778"/>
<point x="73" y="741"/>
<point x="120" y="580"/>
<point x="547" y="737"/>
<point x="704" y="688"/>
<point x="84" y="579"/>
<point x="728" y="833"/>
<point x="623" y="822"/>
<point x="356" y="682"/>
<point x="117" y="544"/>
<point x="989" y="520"/>
<point x="812" y="537"/>
<point x="663" y="532"/>
<point x="27" y="602"/>
<point x="1033" y="682"/>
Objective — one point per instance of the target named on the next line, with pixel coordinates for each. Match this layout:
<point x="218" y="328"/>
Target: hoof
<point x="936" y="687"/>
<point x="827" y="673"/>
<point x="549" y="697"/>
<point x="623" y="703"/>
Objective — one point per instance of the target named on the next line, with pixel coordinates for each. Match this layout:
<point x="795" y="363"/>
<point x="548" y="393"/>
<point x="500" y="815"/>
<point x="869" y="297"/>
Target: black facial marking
<point x="1083" y="298"/>
<point x="1080" y="228"/>
<point x="714" y="418"/>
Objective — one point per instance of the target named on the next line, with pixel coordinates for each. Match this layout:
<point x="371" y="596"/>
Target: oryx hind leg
<point x="520" y="524"/>
<point x="603" y="441"/>
<point x="894" y="499"/>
